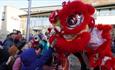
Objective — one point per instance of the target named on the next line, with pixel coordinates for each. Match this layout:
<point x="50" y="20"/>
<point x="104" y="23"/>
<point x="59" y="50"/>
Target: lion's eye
<point x="74" y="20"/>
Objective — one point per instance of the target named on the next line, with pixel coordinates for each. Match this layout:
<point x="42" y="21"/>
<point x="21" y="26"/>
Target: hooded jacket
<point x="31" y="61"/>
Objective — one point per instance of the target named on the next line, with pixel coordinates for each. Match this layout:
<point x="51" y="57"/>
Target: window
<point x="104" y="12"/>
<point x="112" y="12"/>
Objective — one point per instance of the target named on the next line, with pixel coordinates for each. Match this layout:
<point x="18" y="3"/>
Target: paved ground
<point x="74" y="63"/>
<point x="114" y="54"/>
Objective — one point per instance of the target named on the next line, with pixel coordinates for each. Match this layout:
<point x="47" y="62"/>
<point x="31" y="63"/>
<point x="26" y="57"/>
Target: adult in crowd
<point x="8" y="42"/>
<point x="11" y="45"/>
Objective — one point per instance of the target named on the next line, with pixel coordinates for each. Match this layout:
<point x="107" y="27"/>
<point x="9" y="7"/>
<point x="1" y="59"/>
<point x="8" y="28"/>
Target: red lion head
<point x="75" y="20"/>
<point x="75" y="16"/>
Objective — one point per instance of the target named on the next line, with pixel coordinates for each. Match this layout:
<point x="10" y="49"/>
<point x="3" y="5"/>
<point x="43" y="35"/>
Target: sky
<point x="24" y="3"/>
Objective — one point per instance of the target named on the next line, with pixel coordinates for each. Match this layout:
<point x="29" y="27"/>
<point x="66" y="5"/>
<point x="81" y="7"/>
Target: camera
<point x="36" y="38"/>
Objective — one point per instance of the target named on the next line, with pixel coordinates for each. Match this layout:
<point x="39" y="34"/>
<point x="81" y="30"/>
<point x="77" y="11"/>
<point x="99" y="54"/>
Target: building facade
<point x="10" y="19"/>
<point x="39" y="18"/>
<point x="105" y="13"/>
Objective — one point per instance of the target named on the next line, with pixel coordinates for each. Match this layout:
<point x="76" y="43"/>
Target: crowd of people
<point x="18" y="54"/>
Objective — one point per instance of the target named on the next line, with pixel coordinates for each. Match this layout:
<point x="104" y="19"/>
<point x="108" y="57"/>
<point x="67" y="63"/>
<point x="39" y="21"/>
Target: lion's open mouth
<point x="69" y="36"/>
<point x="74" y="20"/>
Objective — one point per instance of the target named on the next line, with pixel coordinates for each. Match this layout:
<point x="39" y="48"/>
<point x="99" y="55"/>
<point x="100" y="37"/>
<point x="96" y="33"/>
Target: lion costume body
<point x="77" y="32"/>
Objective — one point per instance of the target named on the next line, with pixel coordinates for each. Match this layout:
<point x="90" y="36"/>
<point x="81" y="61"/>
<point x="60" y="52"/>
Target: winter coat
<point x="31" y="61"/>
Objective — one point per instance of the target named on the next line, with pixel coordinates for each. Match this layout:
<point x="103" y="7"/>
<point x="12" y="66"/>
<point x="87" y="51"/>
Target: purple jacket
<point x="31" y="61"/>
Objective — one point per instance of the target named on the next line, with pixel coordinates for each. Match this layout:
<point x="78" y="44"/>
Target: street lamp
<point x="28" y="20"/>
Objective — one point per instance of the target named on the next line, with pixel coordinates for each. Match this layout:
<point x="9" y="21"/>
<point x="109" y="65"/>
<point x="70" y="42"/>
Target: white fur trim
<point x="105" y="59"/>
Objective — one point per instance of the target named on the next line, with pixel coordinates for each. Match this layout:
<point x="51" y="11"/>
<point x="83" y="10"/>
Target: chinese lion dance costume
<point x="77" y="33"/>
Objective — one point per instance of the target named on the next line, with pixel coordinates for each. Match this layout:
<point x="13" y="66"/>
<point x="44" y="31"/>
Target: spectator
<point x="31" y="59"/>
<point x="11" y="45"/>
<point x="7" y="37"/>
<point x="5" y="54"/>
<point x="9" y="41"/>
